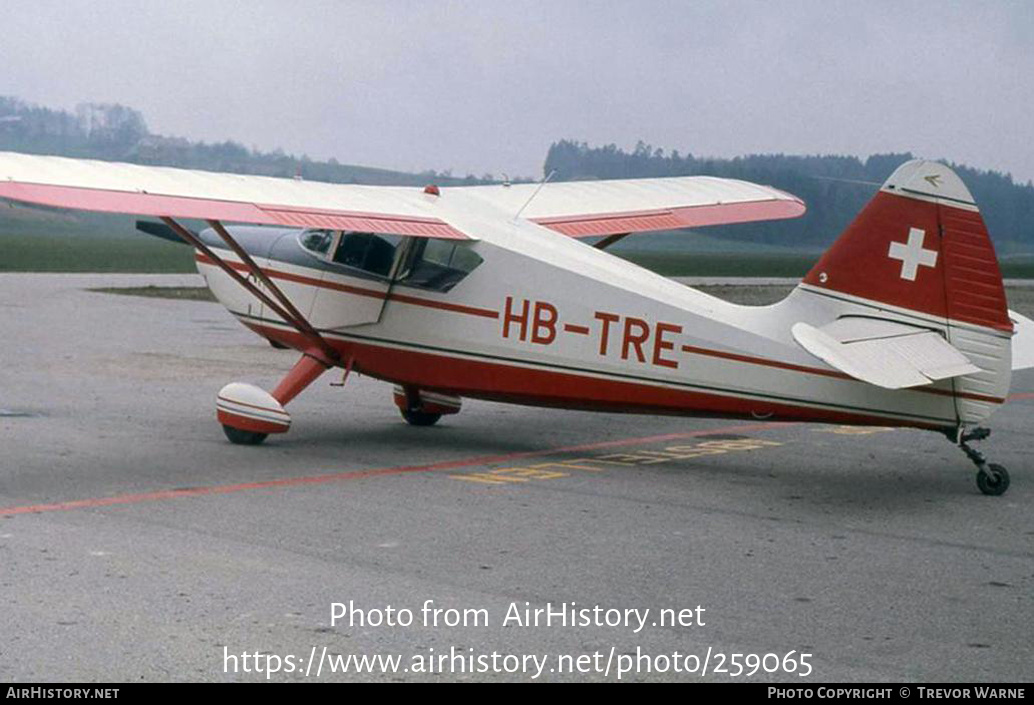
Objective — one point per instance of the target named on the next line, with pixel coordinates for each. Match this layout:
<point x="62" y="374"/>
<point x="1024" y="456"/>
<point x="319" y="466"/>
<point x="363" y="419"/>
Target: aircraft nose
<point x="256" y="241"/>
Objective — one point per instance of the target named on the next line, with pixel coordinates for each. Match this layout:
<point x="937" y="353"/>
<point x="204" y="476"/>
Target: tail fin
<point x="919" y="245"/>
<point x="920" y="249"/>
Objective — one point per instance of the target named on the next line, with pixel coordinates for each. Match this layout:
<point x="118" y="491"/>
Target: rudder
<point x="921" y="251"/>
<point x="920" y="245"/>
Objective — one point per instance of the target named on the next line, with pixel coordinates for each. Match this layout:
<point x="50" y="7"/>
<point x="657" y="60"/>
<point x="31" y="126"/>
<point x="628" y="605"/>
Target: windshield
<point x="438" y="264"/>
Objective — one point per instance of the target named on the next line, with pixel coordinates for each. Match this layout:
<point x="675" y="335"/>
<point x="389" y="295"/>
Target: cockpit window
<point x="438" y="264"/>
<point x="427" y="263"/>
<point x="368" y="252"/>
<point x="317" y="241"/>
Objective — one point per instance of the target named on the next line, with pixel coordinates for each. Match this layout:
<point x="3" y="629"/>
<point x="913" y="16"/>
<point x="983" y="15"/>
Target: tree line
<point x="113" y="132"/>
<point x="835" y="188"/>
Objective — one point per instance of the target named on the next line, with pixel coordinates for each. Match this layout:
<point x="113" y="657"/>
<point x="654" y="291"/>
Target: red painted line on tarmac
<point x="161" y="495"/>
<point x="1021" y="395"/>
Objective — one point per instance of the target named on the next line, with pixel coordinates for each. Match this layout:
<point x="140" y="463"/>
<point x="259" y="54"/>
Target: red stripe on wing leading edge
<point x="106" y="201"/>
<point x="359" y="291"/>
<point x="143" y="203"/>
<point x="590" y="225"/>
<point x="363" y="222"/>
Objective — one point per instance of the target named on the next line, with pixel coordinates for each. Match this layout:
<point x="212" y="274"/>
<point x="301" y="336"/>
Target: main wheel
<point x="243" y="438"/>
<point x="420" y="418"/>
<point x="994" y="482"/>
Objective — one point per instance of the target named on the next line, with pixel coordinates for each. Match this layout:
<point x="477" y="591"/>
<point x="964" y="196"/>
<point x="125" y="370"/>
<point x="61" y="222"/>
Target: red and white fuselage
<point x="547" y="320"/>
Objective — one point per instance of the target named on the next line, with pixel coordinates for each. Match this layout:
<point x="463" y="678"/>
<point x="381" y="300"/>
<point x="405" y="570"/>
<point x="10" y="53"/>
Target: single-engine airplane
<point x="487" y="292"/>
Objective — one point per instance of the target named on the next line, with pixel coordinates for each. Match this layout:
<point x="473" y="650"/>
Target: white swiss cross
<point x="912" y="255"/>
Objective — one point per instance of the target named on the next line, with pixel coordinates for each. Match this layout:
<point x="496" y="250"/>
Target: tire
<point x="995" y="482"/>
<point x="243" y="438"/>
<point x="420" y="418"/>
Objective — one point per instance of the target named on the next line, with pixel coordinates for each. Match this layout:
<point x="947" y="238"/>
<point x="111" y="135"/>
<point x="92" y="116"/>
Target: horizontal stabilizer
<point x="884" y="353"/>
<point x="1022" y="342"/>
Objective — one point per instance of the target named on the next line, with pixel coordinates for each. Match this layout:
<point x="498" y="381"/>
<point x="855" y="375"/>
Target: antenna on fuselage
<point x="536" y="193"/>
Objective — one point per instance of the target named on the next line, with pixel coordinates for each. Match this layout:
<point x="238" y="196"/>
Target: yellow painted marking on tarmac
<point x="573" y="464"/>
<point x="739" y="444"/>
<point x="568" y="465"/>
<point x="503" y="476"/>
<point x="620" y="459"/>
<point x="555" y="469"/>
<point x="482" y="477"/>
<point x="855" y="430"/>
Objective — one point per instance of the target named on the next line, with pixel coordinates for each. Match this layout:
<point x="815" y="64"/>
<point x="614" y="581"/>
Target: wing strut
<point x="282" y="307"/>
<point x="610" y="240"/>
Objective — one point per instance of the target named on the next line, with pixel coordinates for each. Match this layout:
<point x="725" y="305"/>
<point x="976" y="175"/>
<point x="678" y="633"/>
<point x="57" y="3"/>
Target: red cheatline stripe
<point x="826" y="373"/>
<point x="359" y="291"/>
<point x="584" y="330"/>
<point x="359" y="474"/>
<point x="762" y="361"/>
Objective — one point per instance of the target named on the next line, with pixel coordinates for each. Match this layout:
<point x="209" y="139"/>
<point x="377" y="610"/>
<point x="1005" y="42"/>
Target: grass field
<point x="180" y="293"/>
<point x="1021" y="298"/>
<point x="71" y="252"/>
<point x="764" y="265"/>
<point x="75" y="247"/>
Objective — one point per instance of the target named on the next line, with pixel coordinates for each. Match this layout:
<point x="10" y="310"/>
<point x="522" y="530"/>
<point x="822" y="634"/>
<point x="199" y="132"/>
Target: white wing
<point x="579" y="209"/>
<point x="181" y="193"/>
<point x="590" y="208"/>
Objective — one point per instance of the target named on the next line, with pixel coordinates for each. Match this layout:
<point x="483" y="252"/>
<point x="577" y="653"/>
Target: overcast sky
<point x="487" y="85"/>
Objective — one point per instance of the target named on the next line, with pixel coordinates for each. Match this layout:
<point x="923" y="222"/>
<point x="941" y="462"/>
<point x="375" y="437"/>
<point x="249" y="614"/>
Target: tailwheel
<point x="420" y="418"/>
<point x="993" y="480"/>
<point x="243" y="438"/>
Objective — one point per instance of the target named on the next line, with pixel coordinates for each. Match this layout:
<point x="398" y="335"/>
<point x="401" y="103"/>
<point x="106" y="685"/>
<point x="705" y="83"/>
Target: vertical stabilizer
<point x="920" y="252"/>
<point x="921" y="245"/>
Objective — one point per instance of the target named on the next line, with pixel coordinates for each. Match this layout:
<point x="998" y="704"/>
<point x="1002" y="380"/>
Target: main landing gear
<point x="992" y="479"/>
<point x="243" y="438"/>
<point x="249" y="414"/>
<point x="423" y="408"/>
<point x="420" y="418"/>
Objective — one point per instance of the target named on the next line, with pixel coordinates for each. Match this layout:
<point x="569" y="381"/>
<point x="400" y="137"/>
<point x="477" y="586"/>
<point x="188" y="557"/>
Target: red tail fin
<point x="921" y="245"/>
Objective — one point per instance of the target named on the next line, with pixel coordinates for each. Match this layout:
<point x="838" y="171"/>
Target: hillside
<point x="36" y="239"/>
<point x="834" y="187"/>
<point x="114" y="132"/>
